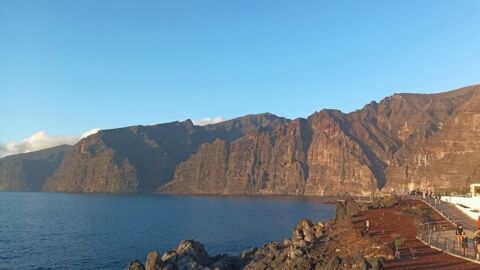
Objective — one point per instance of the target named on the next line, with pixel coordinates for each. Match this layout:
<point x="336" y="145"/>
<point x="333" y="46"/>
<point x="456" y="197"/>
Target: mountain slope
<point x="403" y="142"/>
<point x="29" y="171"/>
<point x="449" y="157"/>
<point x="330" y="153"/>
<point x="305" y="157"/>
<point x="142" y="158"/>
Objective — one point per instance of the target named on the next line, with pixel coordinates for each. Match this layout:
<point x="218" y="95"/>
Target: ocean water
<point x="77" y="231"/>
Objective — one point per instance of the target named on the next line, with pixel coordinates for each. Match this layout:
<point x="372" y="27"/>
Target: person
<point x="397" y="255"/>
<point x="367" y="225"/>
<point x="476" y="242"/>
<point x="397" y="244"/>
<point x="458" y="233"/>
<point x="464" y="243"/>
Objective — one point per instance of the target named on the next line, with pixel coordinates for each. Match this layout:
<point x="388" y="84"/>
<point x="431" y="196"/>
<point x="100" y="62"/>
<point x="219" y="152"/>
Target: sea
<point x="96" y="231"/>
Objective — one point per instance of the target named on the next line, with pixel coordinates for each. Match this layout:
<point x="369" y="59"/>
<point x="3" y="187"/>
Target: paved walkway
<point x="445" y="238"/>
<point x="451" y="212"/>
<point x="387" y="223"/>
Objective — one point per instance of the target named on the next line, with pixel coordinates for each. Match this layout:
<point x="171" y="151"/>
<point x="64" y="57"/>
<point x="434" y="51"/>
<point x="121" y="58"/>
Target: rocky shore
<point x="339" y="244"/>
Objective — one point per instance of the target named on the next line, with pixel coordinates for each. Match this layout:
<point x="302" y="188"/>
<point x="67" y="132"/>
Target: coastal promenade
<point x="451" y="213"/>
<point x="388" y="224"/>
<point x="441" y="234"/>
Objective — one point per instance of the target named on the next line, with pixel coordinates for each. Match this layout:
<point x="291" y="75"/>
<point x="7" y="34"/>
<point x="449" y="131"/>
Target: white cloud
<point x="40" y="140"/>
<point x="88" y="133"/>
<point x="208" y="121"/>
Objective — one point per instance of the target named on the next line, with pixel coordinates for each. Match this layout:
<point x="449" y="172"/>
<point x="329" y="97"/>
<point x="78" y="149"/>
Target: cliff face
<point x="337" y="161"/>
<point x="449" y="157"/>
<point x="404" y="142"/>
<point x="305" y="157"/>
<point x="260" y="162"/>
<point x="91" y="166"/>
<point x="142" y="158"/>
<point x="28" y="172"/>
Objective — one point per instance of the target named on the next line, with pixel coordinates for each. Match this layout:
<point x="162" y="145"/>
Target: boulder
<point x="248" y="253"/>
<point x="351" y="207"/>
<point x="188" y="262"/>
<point x="319" y="230"/>
<point x="154" y="261"/>
<point x="170" y="255"/>
<point x="193" y="249"/>
<point x="136" y="265"/>
<point x="303" y="232"/>
<point x="225" y="262"/>
<point x="346" y="209"/>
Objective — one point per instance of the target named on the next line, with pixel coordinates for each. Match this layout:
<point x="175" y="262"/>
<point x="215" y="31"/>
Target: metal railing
<point x="435" y="233"/>
<point x="440" y="207"/>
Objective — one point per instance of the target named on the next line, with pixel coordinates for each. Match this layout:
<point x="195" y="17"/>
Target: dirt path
<point x="386" y="222"/>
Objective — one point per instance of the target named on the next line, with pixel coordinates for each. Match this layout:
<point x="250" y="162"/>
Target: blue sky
<point x="69" y="66"/>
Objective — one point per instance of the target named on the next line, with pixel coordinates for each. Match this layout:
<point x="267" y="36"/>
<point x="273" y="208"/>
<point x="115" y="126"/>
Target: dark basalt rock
<point x="136" y="265"/>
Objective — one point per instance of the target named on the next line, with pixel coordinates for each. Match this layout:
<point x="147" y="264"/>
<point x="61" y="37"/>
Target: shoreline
<point x="342" y="243"/>
<point x="322" y="199"/>
<point x="323" y="245"/>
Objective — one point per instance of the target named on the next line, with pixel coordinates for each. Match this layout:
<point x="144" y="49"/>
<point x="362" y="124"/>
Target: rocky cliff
<point x="310" y="156"/>
<point x="143" y="158"/>
<point x="126" y="160"/>
<point x="447" y="156"/>
<point x="28" y="172"/>
<point x="403" y="142"/>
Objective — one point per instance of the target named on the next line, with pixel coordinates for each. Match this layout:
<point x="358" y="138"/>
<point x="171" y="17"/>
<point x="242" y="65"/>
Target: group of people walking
<point x="462" y="240"/>
<point x="427" y="194"/>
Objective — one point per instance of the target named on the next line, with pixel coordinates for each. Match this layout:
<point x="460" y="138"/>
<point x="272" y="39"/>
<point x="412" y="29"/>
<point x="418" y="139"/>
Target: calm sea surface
<point x="73" y="231"/>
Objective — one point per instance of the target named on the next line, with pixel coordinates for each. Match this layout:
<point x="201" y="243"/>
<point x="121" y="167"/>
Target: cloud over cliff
<point x="40" y="140"/>
<point x="207" y="121"/>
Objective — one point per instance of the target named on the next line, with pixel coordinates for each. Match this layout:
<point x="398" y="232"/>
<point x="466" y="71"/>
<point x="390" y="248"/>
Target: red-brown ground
<point x="388" y="221"/>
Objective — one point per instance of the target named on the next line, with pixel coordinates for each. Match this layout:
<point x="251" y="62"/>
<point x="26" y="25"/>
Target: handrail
<point x="438" y="207"/>
<point x="437" y="239"/>
<point x="431" y="234"/>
